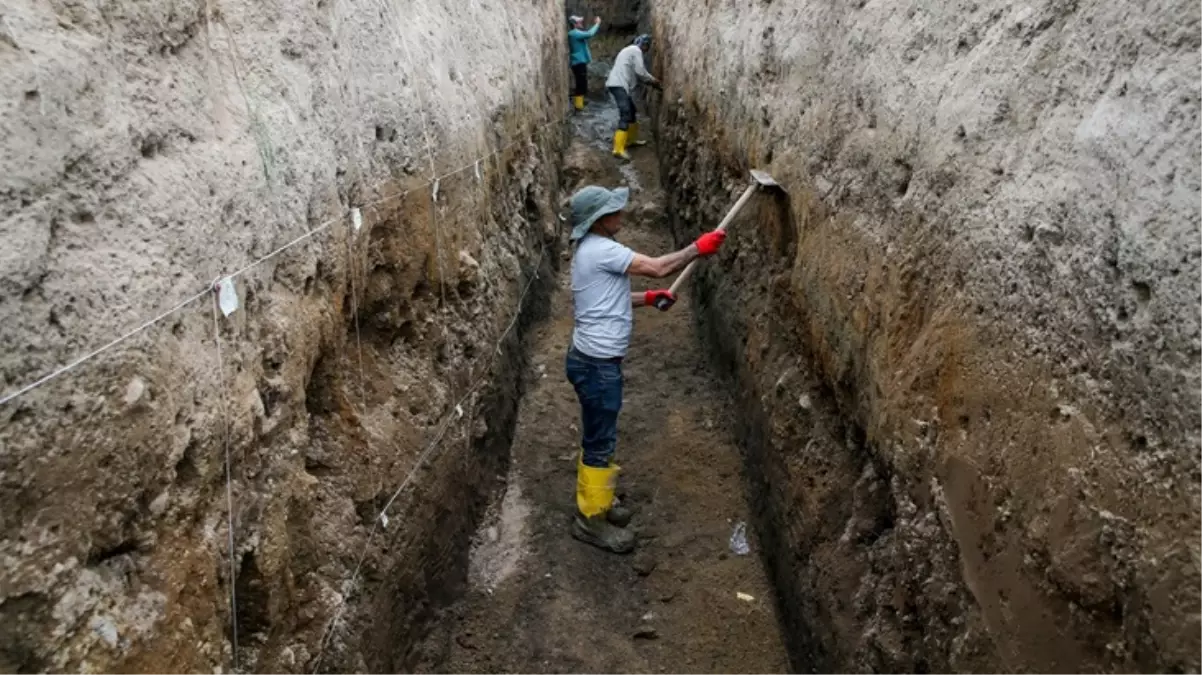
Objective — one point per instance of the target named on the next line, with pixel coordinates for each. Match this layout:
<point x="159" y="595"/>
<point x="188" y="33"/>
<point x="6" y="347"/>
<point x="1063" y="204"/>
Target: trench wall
<point x="148" y="148"/>
<point x="966" y="345"/>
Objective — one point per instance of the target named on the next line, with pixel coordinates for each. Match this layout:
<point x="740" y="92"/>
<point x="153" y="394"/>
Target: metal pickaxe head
<point x="763" y="179"/>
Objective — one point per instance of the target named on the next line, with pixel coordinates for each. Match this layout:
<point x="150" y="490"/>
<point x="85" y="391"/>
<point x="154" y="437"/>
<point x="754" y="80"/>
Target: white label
<point x="434" y="196"/>
<point x="477" y="169"/>
<point x="384" y="520"/>
<point x="356" y="218"/>
<point x="227" y="296"/>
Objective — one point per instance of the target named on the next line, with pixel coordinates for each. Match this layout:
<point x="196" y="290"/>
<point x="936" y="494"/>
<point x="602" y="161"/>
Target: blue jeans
<point x="626" y="112"/>
<point x="598" y="384"/>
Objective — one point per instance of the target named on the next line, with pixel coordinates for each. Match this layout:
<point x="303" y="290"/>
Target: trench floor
<point x="539" y="601"/>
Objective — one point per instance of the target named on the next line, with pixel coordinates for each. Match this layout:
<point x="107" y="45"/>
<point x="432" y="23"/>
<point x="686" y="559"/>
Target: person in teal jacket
<point x="578" y="39"/>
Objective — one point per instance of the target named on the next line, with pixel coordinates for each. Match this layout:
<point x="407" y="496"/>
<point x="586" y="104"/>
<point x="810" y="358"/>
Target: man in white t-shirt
<point x="603" y="306"/>
<point x="628" y="71"/>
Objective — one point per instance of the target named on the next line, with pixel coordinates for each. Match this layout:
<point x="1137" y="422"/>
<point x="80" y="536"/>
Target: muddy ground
<point x="541" y="601"/>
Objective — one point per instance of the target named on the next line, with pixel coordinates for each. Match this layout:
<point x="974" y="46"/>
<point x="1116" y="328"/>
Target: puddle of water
<point x="502" y="541"/>
<point x="596" y="125"/>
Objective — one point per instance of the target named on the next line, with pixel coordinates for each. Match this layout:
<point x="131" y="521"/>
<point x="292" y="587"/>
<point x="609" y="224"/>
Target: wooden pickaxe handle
<point x="664" y="303"/>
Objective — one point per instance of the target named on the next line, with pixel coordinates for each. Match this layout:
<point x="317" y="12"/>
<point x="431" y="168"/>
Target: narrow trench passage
<point x="946" y="378"/>
<point x="683" y="602"/>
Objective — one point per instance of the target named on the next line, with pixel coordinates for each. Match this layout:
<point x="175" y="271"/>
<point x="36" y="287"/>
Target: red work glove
<point x="665" y="299"/>
<point x="708" y="243"/>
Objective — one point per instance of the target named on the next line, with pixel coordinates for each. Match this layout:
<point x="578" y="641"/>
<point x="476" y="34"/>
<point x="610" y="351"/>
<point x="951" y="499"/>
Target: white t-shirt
<point x="601" y="295"/>
<point x="628" y="69"/>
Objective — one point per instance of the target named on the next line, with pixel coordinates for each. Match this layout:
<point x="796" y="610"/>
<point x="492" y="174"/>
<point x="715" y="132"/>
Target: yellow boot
<point x="594" y="498"/>
<point x="620" y="144"/>
<point x="578" y="102"/>
<point x="632" y="136"/>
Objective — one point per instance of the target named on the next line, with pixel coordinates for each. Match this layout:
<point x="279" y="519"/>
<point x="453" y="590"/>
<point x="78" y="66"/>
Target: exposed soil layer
<point x="961" y="357"/>
<point x="541" y="601"/>
<point x="965" y="349"/>
<point x="150" y="147"/>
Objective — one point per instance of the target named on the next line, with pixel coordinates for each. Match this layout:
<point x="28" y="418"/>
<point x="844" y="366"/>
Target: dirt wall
<point x="967" y="344"/>
<point x="622" y="16"/>
<point x="146" y="149"/>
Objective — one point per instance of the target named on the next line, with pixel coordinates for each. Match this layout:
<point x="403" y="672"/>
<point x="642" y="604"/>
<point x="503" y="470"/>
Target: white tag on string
<point x="434" y="196"/>
<point x="227" y="296"/>
<point x="356" y="218"/>
<point x="384" y="520"/>
<point x="477" y="169"/>
<point x="459" y="410"/>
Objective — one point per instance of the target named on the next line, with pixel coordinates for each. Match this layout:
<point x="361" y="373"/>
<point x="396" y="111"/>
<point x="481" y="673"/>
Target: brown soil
<point x="541" y="601"/>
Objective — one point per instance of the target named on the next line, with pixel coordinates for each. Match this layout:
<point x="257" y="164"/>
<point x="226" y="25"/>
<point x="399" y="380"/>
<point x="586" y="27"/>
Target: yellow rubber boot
<point x="594" y="488"/>
<point x="594" y="498"/>
<point x="632" y="136"/>
<point x="578" y="102"/>
<point x="620" y="144"/>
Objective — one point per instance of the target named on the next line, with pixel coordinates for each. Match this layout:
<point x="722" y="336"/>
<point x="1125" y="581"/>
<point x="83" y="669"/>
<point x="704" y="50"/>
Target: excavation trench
<point x="529" y="598"/>
<point x="696" y="467"/>
<point x="948" y="382"/>
<point x="703" y="450"/>
<point x="538" y="600"/>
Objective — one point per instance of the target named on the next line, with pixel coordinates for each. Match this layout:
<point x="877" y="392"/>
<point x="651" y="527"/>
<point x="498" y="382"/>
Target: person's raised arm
<point x="581" y="34"/>
<point x="664" y="265"/>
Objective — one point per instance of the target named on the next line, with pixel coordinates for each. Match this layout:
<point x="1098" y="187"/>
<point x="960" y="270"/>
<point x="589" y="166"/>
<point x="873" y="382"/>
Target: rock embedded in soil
<point x="644" y="563"/>
<point x="646" y="632"/>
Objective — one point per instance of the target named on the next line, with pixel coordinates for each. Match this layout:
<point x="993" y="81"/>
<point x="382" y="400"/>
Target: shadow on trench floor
<point x="539" y="601"/>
